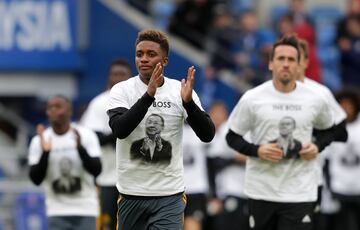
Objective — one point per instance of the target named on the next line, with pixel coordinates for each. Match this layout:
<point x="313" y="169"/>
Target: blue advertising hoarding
<point x="38" y="35"/>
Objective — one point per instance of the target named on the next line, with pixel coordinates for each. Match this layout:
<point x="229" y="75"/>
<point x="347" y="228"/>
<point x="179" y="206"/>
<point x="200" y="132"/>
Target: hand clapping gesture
<point x="45" y="145"/>
<point x="187" y="86"/>
<point x="156" y="80"/>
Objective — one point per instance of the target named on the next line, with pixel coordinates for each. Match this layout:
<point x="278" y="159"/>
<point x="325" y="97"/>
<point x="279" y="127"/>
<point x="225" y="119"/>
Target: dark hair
<point x="157" y="115"/>
<point x="352" y="94"/>
<point x="154" y="36"/>
<point x="64" y="98"/>
<point x="120" y="62"/>
<point x="304" y="46"/>
<point x="287" y="40"/>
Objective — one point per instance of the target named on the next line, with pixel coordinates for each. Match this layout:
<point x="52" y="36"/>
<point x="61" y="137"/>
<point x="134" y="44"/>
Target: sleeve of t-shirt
<point x="196" y="99"/>
<point x="94" y="116"/>
<point x="35" y="151"/>
<point x="118" y="97"/>
<point x="241" y="117"/>
<point x="90" y="142"/>
<point x="338" y="112"/>
<point x="325" y="117"/>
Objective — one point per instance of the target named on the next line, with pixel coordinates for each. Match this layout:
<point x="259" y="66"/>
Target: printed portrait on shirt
<point x="67" y="183"/>
<point x="152" y="148"/>
<point x="286" y="141"/>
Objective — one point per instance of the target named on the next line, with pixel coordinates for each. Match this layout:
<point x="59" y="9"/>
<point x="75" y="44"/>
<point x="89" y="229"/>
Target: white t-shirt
<point x="195" y="168"/>
<point x="345" y="162"/>
<point x="338" y="113"/>
<point x="69" y="188"/>
<point x="96" y="119"/>
<point x="230" y="180"/>
<point x="262" y="111"/>
<point x="136" y="176"/>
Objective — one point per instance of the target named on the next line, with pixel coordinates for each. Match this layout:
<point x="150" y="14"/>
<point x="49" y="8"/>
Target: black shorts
<point x="235" y="214"/>
<point x="196" y="206"/>
<point x="150" y="213"/>
<point x="267" y="215"/>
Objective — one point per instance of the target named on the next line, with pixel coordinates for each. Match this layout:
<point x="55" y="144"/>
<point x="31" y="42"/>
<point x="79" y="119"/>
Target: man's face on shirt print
<point x="286" y="126"/>
<point x="154" y="124"/>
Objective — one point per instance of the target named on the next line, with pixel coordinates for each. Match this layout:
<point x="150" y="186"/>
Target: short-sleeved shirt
<point x="69" y="189"/>
<point x="160" y="173"/>
<point x="96" y="119"/>
<point x="260" y="112"/>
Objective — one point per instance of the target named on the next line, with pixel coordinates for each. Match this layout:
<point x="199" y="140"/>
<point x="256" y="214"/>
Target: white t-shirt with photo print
<point x="259" y="112"/>
<point x="69" y="188"/>
<point x="151" y="178"/>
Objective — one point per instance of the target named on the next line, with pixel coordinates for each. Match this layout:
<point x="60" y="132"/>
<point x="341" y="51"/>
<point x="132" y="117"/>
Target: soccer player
<point x="281" y="190"/>
<point x="64" y="158"/>
<point x="338" y="132"/>
<point x="152" y="191"/>
<point x="96" y="119"/>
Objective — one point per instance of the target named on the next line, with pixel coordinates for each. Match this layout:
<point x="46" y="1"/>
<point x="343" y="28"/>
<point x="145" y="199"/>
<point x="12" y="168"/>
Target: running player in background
<point x="196" y="179"/>
<point x="65" y="158"/>
<point x="281" y="191"/>
<point x="96" y="119"/>
<point x="339" y="132"/>
<point x="152" y="192"/>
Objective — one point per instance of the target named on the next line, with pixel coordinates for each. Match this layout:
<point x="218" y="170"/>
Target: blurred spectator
<point x="96" y="119"/>
<point x="353" y="8"/>
<point x="191" y="21"/>
<point x="349" y="45"/>
<point x="344" y="165"/>
<point x="251" y="48"/>
<point x="287" y="25"/>
<point x="221" y="38"/>
<point x="161" y="12"/>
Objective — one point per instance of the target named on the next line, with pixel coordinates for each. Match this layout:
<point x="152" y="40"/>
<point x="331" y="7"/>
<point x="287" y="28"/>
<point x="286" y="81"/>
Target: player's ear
<point x="270" y="66"/>
<point x="165" y="61"/>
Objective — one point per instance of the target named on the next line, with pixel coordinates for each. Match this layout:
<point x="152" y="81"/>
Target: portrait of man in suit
<point x="152" y="148"/>
<point x="66" y="183"/>
<point x="290" y="146"/>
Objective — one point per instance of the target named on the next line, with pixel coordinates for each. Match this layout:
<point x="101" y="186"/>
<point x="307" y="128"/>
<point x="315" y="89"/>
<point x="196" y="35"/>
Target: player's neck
<point x="301" y="78"/>
<point x="61" y="129"/>
<point x="284" y="87"/>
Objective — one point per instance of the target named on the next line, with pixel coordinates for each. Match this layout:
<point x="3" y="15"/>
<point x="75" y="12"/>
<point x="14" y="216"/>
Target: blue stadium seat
<point x="325" y="35"/>
<point x="30" y="211"/>
<point x="331" y="78"/>
<point x="328" y="56"/>
<point x="276" y="12"/>
<point x="322" y="15"/>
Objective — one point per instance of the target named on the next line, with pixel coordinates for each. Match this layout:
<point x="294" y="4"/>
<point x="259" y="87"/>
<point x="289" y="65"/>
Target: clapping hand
<point x="158" y="142"/>
<point x="156" y="79"/>
<point x="187" y="86"/>
<point x="45" y="145"/>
